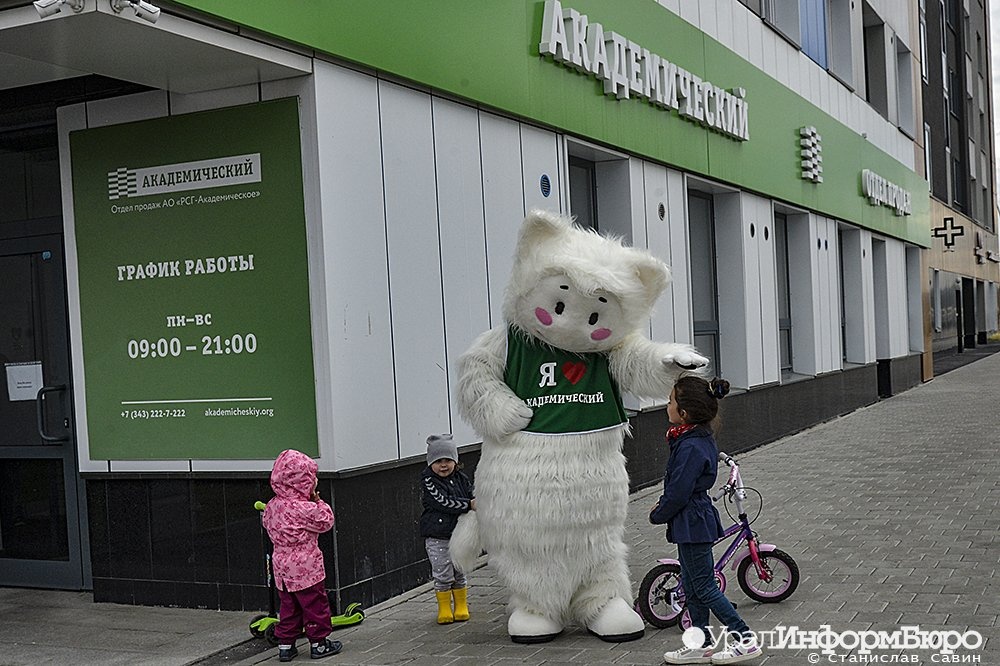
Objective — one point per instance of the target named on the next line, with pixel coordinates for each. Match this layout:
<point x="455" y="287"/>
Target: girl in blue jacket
<point x="693" y="522"/>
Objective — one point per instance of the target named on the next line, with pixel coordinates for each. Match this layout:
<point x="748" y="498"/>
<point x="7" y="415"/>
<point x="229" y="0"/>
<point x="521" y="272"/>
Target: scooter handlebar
<point x="260" y="506"/>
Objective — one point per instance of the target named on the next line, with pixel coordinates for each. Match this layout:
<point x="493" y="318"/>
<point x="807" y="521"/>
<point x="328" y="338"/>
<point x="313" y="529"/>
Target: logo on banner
<point x="184" y="176"/>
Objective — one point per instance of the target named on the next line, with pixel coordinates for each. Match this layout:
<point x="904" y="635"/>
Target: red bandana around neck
<point x="675" y="431"/>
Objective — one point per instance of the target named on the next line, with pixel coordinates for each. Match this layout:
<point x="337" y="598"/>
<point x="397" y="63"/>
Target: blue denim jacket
<point x="685" y="505"/>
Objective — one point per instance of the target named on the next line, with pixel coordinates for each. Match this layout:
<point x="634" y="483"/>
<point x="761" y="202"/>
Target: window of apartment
<point x="753" y="5"/>
<point x="904" y="89"/>
<point x="923" y="45"/>
<point x="812" y="28"/>
<point x="784" y="291"/>
<point x="927" y="155"/>
<point x="783" y="16"/>
<point x="840" y="44"/>
<point x="876" y="75"/>
<point x="704" y="294"/>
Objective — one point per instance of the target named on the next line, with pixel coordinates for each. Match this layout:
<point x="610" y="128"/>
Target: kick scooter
<point x="262" y="626"/>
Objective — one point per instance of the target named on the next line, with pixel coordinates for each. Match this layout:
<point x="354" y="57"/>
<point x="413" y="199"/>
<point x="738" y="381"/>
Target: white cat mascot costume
<point x="543" y="392"/>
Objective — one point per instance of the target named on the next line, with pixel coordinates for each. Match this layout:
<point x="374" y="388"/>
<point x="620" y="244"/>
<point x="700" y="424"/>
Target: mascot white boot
<point x="543" y="392"/>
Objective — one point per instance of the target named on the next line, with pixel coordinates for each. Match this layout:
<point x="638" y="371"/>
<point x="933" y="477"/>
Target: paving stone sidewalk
<point x="891" y="513"/>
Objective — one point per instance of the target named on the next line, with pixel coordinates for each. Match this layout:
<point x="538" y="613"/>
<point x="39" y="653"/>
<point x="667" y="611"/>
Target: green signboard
<point x="194" y="295"/>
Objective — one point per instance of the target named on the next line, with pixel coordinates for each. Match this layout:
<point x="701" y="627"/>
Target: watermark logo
<point x="825" y="645"/>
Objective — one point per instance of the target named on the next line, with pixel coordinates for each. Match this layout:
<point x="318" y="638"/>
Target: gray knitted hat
<point x="441" y="446"/>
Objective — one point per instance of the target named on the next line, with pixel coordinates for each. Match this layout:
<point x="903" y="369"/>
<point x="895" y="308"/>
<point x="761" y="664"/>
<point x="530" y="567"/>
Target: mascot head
<point x="577" y="290"/>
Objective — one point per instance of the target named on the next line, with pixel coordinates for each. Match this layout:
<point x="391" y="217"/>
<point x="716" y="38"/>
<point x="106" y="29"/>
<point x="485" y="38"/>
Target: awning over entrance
<point x="175" y="53"/>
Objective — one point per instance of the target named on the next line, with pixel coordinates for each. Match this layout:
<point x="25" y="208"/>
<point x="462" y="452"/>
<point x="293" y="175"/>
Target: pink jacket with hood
<point x="294" y="522"/>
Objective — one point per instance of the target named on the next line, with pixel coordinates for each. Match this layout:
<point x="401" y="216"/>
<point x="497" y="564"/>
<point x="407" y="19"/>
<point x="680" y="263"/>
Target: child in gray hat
<point x="447" y="494"/>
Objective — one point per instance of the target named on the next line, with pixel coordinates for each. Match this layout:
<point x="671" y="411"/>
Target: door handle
<point x="40" y="409"/>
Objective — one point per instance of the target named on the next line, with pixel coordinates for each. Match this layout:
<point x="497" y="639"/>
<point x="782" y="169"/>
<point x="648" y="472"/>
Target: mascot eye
<point x="562" y="286"/>
<point x="602" y="299"/>
<point x="560" y="306"/>
<point x="593" y="318"/>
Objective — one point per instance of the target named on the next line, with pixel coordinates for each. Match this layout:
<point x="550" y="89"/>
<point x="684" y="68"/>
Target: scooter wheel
<point x="254" y="631"/>
<point x="269" y="635"/>
<point x="353" y="608"/>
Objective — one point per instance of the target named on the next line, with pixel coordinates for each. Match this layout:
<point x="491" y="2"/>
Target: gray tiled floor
<point x="891" y="513"/>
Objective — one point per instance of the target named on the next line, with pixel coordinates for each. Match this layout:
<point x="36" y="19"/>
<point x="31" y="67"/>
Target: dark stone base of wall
<point x="898" y="374"/>
<point x="196" y="541"/>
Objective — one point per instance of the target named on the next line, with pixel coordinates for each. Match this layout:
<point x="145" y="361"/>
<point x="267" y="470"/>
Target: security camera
<point x="143" y="9"/>
<point x="146" y="11"/>
<point x="46" y="8"/>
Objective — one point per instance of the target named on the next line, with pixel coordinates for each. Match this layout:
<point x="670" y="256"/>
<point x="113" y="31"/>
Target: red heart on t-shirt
<point x="574" y="371"/>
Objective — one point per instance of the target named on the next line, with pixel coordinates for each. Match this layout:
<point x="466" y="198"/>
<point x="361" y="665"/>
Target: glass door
<point x="40" y="518"/>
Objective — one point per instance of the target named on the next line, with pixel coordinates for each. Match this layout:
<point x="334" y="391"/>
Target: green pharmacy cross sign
<point x="194" y="291"/>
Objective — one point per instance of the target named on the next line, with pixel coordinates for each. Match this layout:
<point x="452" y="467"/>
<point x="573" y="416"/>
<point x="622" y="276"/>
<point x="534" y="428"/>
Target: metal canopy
<point x="175" y="53"/>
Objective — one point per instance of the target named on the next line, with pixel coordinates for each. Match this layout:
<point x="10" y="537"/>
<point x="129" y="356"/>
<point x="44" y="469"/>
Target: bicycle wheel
<point x="661" y="598"/>
<point x="783" y="572"/>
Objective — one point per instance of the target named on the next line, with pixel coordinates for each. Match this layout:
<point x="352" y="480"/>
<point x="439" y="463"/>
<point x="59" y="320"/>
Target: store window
<point x="599" y="189"/>
<point x="583" y="192"/>
<point x="784" y="292"/>
<point x="704" y="291"/>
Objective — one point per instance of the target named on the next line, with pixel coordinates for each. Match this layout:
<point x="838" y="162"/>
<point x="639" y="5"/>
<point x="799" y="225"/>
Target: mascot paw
<point x="517" y="417"/>
<point x="617" y="622"/>
<point x="686" y="360"/>
<point x="525" y="627"/>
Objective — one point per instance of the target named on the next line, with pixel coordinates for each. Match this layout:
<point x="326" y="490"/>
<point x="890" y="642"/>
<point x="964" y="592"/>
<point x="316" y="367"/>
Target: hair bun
<point x="718" y="388"/>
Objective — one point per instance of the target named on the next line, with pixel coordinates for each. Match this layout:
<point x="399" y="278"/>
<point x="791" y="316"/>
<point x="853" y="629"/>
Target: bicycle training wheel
<point x="661" y="600"/>
<point x="783" y="572"/>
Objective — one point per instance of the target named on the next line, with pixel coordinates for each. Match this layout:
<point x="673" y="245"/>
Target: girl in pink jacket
<point x="294" y="520"/>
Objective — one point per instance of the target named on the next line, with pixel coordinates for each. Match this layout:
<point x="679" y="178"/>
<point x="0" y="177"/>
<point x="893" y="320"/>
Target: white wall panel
<point x="503" y="202"/>
<point x="462" y="230"/>
<point x="768" y="288"/>
<point x="354" y="244"/>
<point x="741" y="26"/>
<point x="755" y="39"/>
<point x="708" y="19"/>
<point x="421" y="370"/>
<point x="213" y="99"/>
<point x="724" y="20"/>
<point x="898" y="324"/>
<point x="752" y="232"/>
<point x="128" y="109"/>
<point x="540" y="155"/>
<point x="659" y="243"/>
<point x="731" y="258"/>
<point x="832" y="316"/>
<point x="680" y="273"/>
<point x="803" y="286"/>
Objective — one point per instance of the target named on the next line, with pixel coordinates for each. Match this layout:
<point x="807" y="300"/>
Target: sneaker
<point x="287" y="652"/>
<point x="734" y="654"/>
<point x="325" y="649"/>
<point x="688" y="655"/>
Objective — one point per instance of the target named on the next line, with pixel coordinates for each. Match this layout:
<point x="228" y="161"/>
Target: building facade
<point x="283" y="229"/>
<point x="958" y="139"/>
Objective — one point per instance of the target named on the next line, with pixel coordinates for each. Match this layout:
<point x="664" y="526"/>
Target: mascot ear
<point x="653" y="275"/>
<point x="541" y="226"/>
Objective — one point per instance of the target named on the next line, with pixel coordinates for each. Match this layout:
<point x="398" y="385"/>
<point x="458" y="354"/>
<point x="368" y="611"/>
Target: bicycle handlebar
<point x="726" y="458"/>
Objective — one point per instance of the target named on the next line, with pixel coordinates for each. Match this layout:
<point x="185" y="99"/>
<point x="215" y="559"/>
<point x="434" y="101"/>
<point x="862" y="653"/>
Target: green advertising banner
<point x="194" y="294"/>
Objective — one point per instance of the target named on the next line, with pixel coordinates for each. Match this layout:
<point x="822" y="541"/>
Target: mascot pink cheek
<point x="543" y="316"/>
<point x="600" y="334"/>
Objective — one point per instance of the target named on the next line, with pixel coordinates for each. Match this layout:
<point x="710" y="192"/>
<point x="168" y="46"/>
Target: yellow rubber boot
<point x="461" y="607"/>
<point x="444" y="608"/>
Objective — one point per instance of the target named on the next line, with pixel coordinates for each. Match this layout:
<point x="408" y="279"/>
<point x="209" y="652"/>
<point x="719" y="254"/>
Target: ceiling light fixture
<point x="143" y="9"/>
<point x="46" y="8"/>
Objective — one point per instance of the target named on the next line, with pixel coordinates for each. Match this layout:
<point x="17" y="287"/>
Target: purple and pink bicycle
<point x="765" y="573"/>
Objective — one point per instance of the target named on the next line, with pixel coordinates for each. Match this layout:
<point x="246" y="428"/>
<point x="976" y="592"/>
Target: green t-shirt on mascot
<point x="569" y="392"/>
